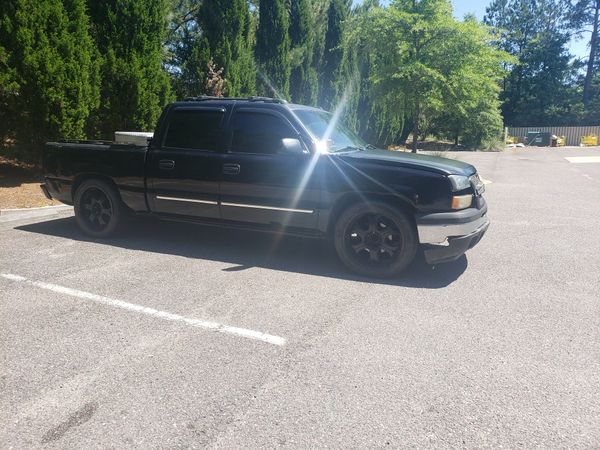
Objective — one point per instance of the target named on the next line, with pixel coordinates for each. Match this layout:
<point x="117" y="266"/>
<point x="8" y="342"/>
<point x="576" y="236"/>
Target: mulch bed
<point x="20" y="185"/>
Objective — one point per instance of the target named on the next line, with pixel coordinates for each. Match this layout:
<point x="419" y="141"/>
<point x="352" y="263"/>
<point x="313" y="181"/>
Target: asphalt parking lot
<point x="176" y="336"/>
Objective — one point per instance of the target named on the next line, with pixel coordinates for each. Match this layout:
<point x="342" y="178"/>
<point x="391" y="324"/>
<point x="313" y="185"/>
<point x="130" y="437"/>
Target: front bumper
<point x="446" y="236"/>
<point x="457" y="246"/>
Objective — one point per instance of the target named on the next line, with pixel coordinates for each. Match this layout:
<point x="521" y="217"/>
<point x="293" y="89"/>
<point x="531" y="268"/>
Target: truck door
<point x="263" y="182"/>
<point x="184" y="170"/>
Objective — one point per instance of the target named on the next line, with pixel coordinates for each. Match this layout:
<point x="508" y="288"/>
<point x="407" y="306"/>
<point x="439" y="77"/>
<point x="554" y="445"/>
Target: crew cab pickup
<point x="267" y="165"/>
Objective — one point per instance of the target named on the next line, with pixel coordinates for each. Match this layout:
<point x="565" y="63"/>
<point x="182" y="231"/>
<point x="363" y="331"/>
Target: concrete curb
<point x="8" y="215"/>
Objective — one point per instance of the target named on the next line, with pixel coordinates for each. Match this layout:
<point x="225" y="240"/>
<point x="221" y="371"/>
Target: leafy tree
<point x="273" y="48"/>
<point x="135" y="86"/>
<point x="227" y="27"/>
<point x="430" y="71"/>
<point x="303" y="78"/>
<point x="409" y="43"/>
<point x="49" y="68"/>
<point x="471" y="106"/>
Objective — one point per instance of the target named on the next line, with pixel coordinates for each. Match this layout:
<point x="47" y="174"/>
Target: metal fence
<point x="572" y="134"/>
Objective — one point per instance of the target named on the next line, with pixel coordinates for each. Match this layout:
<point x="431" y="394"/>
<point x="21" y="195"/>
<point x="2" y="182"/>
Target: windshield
<point x="322" y="126"/>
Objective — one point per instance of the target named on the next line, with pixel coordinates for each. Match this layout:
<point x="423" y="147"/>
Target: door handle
<point x="166" y="164"/>
<point x="231" y="169"/>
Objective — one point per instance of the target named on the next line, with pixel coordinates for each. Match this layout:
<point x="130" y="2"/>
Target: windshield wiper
<point x="349" y="148"/>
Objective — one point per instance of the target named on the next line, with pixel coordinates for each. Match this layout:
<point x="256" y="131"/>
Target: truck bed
<point x="67" y="163"/>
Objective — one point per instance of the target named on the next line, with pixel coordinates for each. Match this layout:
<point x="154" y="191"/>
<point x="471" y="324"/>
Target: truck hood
<point x="416" y="161"/>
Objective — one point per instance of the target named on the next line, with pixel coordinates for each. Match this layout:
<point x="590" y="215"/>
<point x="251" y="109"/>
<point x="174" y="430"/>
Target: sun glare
<point x="265" y="79"/>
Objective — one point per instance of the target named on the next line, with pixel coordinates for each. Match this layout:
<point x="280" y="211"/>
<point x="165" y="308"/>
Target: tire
<point x="375" y="239"/>
<point x="98" y="208"/>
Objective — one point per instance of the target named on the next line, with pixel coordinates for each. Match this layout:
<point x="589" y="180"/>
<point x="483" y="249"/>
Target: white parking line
<point x="583" y="159"/>
<point x="213" y="326"/>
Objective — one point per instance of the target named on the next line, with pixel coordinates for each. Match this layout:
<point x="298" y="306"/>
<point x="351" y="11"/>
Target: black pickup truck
<point x="268" y="165"/>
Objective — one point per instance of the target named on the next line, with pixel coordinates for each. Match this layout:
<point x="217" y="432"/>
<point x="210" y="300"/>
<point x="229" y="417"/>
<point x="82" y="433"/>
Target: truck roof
<point x="252" y="100"/>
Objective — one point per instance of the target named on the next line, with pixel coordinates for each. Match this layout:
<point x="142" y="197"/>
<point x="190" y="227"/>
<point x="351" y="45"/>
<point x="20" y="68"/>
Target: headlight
<point x="459" y="182"/>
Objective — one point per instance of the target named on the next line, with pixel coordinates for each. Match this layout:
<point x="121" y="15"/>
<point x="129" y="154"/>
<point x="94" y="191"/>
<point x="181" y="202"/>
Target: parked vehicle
<point x="267" y="165"/>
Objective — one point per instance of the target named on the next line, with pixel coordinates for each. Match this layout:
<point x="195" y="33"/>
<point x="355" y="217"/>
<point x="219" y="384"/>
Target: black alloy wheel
<point x="375" y="239"/>
<point x="98" y="208"/>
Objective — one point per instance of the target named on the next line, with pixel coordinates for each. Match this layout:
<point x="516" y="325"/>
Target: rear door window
<point x="195" y="129"/>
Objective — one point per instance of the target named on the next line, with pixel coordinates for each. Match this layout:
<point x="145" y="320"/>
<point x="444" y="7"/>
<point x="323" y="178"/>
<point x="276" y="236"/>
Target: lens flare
<point x="322" y="146"/>
<point x="370" y="178"/>
<point x="337" y="114"/>
<point x="348" y="180"/>
<point x="265" y="79"/>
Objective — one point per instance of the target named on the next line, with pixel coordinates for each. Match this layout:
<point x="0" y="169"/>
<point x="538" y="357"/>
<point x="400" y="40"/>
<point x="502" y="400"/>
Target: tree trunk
<point x="587" y="85"/>
<point x="406" y="130"/>
<point x="416" y="126"/>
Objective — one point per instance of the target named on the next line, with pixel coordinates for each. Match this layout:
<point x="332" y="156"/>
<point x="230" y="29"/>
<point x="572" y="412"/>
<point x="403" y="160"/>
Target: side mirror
<point x="292" y="146"/>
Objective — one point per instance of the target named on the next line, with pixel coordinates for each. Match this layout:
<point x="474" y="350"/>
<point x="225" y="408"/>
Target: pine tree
<point x="537" y="87"/>
<point x="587" y="14"/>
<point x="227" y="26"/>
<point x="9" y="86"/>
<point x="194" y="54"/>
<point x="303" y="78"/>
<point x="273" y="48"/>
<point x="188" y="50"/>
<point x="319" y="12"/>
<point x="332" y="75"/>
<point x="53" y="75"/>
<point x="130" y="36"/>
<point x="361" y="113"/>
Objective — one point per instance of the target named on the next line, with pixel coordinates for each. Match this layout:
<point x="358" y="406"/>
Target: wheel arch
<point x="353" y="198"/>
<point x="81" y="178"/>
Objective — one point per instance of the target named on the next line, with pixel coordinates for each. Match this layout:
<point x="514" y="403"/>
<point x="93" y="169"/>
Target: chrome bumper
<point x="439" y="233"/>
